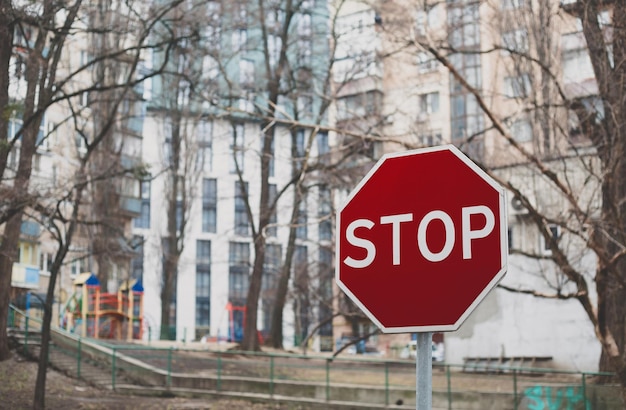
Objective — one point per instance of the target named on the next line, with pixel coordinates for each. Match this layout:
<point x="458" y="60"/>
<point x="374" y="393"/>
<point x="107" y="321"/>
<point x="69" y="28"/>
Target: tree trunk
<point x="7" y="25"/>
<point x="167" y="291"/>
<point x="250" y="331"/>
<point x="172" y="250"/>
<point x="6" y="262"/>
<point x="40" y="384"/>
<point x="250" y="340"/>
<point x="8" y="254"/>
<point x="275" y="338"/>
<point x="11" y="237"/>
<point x="610" y="277"/>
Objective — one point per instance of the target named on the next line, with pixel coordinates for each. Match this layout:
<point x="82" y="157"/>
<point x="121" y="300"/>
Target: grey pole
<point x="424" y="372"/>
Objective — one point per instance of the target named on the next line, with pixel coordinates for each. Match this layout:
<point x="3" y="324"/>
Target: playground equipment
<point x="104" y="315"/>
<point x="236" y="320"/>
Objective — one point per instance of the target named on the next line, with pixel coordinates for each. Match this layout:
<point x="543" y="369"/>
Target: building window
<point x="515" y="41"/>
<point x="323" y="148"/>
<point x="246" y="73"/>
<point x="555" y="233"/>
<point x="301" y="221"/>
<point x="183" y="93"/>
<point x="426" y="63"/>
<point x="272" y="228"/>
<point x="577" y="66"/>
<point x="325" y="214"/>
<point x="237" y="149"/>
<point x="209" y="205"/>
<point x="466" y="118"/>
<point x="238" y="272"/>
<point x="136" y="264"/>
<point x="274" y="18"/>
<point x="301" y="286"/>
<point x="213" y="35"/>
<point x="518" y="86"/>
<point x="45" y="261"/>
<point x="240" y="40"/>
<point x="304" y="25"/>
<point x="305" y="106"/>
<point x="427" y="19"/>
<point x="78" y="266"/>
<point x="430" y="140"/>
<point x="167" y="145"/>
<point x="205" y="146"/>
<point x="274" y="44"/>
<point x="464" y="25"/>
<point x="305" y="51"/>
<point x="272" y="162"/>
<point x="429" y="103"/>
<point x="300" y="147"/>
<point x="512" y="4"/>
<point x="203" y="283"/>
<point x="14" y="128"/>
<point x="210" y="69"/>
<point x="325" y="272"/>
<point x="271" y="276"/>
<point x="143" y="220"/>
<point x="242" y="14"/>
<point x="271" y="266"/>
<point x="522" y="131"/>
<point x="242" y="224"/>
<point x="359" y="105"/>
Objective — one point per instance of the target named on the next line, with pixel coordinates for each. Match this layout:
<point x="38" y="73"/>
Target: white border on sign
<point x="503" y="241"/>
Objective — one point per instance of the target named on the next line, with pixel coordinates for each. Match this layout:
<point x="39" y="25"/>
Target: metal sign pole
<point x="424" y="371"/>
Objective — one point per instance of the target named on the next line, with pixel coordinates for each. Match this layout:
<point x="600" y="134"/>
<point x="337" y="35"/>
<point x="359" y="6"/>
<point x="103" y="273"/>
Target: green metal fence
<point x="323" y="378"/>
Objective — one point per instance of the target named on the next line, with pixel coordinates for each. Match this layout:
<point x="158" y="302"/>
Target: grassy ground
<point x="17" y="384"/>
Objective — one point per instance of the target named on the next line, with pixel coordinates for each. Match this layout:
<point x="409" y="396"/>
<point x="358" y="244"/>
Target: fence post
<point x="113" y="370"/>
<point x="386" y="383"/>
<point x="449" y="385"/>
<point x="328" y="379"/>
<point x="26" y="335"/>
<point x="515" y="400"/>
<point x="272" y="375"/>
<point x="78" y="357"/>
<point x="219" y="371"/>
<point x="584" y="389"/>
<point x="169" y="367"/>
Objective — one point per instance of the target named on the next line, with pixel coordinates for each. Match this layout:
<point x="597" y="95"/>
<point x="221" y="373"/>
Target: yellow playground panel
<point x="104" y="315"/>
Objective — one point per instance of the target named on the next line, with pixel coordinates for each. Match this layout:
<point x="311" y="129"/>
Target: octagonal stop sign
<point x="421" y="240"/>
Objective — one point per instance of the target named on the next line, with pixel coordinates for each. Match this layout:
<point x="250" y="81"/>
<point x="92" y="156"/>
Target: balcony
<point x="25" y="276"/>
<point x="30" y="229"/>
<point x="130" y="205"/>
<point x="576" y="7"/>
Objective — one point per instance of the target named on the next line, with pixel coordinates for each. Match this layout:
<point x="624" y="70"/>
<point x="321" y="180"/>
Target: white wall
<point x="514" y="324"/>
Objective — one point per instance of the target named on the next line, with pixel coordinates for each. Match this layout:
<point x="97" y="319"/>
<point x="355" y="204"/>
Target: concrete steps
<point x="66" y="361"/>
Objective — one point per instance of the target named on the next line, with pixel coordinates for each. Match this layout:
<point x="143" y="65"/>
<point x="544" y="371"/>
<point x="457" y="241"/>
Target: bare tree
<point x="39" y="77"/>
<point x="42" y="49"/>
<point x="577" y="156"/>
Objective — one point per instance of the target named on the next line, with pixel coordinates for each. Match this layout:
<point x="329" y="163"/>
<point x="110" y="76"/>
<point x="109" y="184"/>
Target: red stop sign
<point x="421" y="240"/>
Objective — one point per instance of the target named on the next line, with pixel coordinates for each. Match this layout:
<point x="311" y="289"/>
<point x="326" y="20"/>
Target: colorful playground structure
<point x="104" y="315"/>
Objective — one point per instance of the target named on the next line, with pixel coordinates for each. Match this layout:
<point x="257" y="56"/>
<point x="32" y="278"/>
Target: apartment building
<point x="82" y="111"/>
<point x="200" y="131"/>
<point x="217" y="133"/>
<point x="417" y="101"/>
